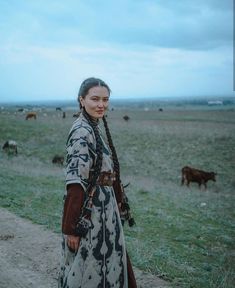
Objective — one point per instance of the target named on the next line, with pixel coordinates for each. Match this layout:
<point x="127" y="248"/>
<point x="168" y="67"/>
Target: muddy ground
<point x="29" y="256"/>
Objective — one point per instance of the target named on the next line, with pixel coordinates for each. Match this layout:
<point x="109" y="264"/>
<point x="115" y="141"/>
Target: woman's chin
<point x="100" y="115"/>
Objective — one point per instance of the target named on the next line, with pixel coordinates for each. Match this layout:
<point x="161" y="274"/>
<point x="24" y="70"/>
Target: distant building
<point x="216" y="102"/>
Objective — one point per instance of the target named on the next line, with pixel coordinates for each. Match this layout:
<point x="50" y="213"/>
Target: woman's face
<point x="96" y="101"/>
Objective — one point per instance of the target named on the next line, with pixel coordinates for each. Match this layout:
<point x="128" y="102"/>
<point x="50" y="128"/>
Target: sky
<point x="140" y="48"/>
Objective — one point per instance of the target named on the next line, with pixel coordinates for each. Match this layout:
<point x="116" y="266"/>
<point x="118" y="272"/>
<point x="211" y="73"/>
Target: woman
<point x="93" y="247"/>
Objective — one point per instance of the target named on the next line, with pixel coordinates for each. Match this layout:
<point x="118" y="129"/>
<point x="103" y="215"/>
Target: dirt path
<point x="29" y="256"/>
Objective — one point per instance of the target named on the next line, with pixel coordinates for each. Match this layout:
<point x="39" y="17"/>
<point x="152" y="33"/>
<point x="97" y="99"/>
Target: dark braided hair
<point x="99" y="149"/>
<point x="83" y="91"/>
<point x="125" y="213"/>
<point x="83" y="226"/>
<point x="113" y="150"/>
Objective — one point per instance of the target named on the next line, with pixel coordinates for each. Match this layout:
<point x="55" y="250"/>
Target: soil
<point x="29" y="256"/>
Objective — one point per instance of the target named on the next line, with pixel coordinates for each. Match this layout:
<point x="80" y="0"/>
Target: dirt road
<point x="29" y="256"/>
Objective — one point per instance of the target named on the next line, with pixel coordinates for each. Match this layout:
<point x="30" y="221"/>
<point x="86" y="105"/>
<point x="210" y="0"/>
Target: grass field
<point x="185" y="235"/>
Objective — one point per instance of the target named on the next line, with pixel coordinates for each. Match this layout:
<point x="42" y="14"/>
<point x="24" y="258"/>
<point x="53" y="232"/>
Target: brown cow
<point x="31" y="115"/>
<point x="194" y="175"/>
<point x="57" y="159"/>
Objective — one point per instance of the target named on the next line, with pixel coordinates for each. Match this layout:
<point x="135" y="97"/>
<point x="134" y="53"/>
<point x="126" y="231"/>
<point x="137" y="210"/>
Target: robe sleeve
<point x="72" y="208"/>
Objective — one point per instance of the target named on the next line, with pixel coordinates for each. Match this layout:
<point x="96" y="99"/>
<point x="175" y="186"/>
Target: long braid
<point x="83" y="224"/>
<point x="113" y="150"/>
<point x="125" y="208"/>
<point x="99" y="149"/>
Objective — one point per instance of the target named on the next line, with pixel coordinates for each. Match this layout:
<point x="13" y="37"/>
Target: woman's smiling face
<point x="96" y="101"/>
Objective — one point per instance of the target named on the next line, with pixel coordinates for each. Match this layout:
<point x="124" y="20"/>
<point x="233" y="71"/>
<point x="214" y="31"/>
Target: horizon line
<point x="137" y="99"/>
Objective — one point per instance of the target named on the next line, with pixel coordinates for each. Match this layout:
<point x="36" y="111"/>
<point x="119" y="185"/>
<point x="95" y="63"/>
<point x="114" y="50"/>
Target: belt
<point x="106" y="179"/>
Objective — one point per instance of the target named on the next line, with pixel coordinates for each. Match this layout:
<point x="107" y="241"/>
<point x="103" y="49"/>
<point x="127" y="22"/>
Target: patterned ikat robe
<point x="100" y="261"/>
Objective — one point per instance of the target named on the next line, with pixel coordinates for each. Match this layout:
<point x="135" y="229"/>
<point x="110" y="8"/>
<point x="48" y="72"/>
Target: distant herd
<point x="188" y="174"/>
<point x="10" y="147"/>
<point x="33" y="115"/>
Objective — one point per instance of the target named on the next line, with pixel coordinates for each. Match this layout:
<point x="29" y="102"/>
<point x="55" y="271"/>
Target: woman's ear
<point x="81" y="101"/>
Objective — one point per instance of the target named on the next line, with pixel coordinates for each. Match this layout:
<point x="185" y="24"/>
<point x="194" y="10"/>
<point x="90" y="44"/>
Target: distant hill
<point x="132" y="103"/>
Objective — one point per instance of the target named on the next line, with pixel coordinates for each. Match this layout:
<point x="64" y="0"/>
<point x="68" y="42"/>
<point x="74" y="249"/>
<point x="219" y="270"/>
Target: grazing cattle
<point x="31" y="115"/>
<point x="126" y="118"/>
<point x="58" y="109"/>
<point x="10" y="146"/>
<point x="194" y="175"/>
<point x="160" y="110"/>
<point x="57" y="159"/>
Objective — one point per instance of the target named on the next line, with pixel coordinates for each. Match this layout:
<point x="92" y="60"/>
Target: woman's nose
<point x="101" y="103"/>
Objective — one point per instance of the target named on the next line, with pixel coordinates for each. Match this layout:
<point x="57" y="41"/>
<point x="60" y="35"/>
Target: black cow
<point x="126" y="118"/>
<point x="10" y="146"/>
<point x="57" y="159"/>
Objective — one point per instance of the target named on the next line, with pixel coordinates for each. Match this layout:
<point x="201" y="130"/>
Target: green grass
<point x="182" y="239"/>
<point x="185" y="235"/>
<point x="33" y="197"/>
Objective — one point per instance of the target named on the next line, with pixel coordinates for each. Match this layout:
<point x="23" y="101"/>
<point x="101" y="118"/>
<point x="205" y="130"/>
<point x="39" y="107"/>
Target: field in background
<point x="184" y="235"/>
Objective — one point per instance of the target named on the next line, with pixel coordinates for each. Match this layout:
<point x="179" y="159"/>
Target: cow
<point x="58" y="109"/>
<point x="126" y="118"/>
<point x="10" y="146"/>
<point x="194" y="175"/>
<point x="57" y="159"/>
<point x="31" y="115"/>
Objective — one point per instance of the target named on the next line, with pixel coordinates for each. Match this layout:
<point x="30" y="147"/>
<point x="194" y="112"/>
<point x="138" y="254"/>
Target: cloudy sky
<point x="141" y="48"/>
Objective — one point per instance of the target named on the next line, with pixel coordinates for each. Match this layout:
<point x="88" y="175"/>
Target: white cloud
<point x="153" y="48"/>
<point x="130" y="70"/>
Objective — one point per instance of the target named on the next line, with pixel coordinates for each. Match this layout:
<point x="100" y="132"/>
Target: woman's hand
<point x="73" y="242"/>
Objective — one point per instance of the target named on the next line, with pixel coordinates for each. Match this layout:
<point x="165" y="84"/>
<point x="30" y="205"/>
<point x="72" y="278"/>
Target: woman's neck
<point x="89" y="117"/>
